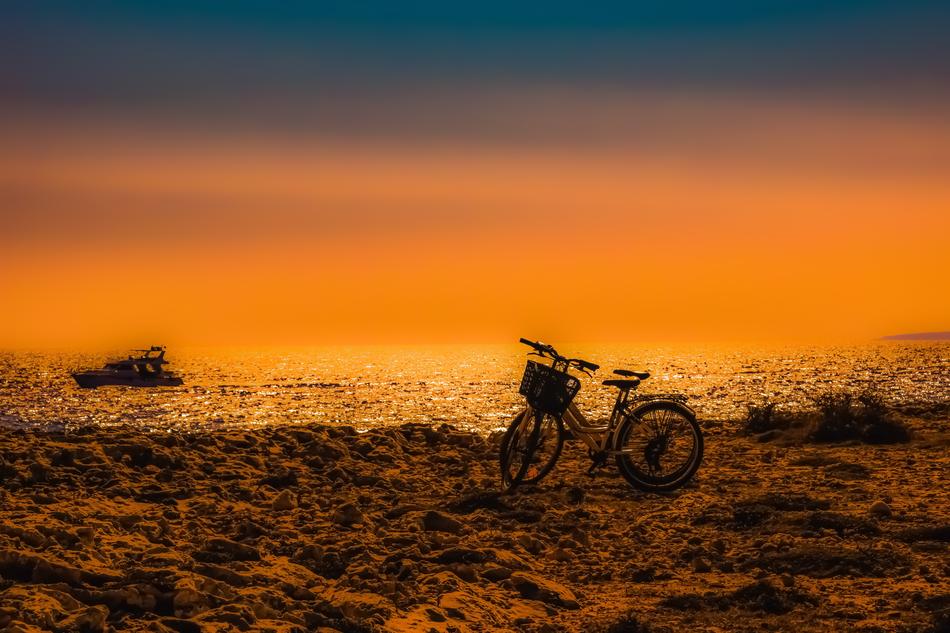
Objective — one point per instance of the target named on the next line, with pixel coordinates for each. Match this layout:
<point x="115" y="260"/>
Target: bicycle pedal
<point x="598" y="460"/>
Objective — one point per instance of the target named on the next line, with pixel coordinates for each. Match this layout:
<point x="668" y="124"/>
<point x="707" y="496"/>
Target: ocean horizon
<point x="474" y="387"/>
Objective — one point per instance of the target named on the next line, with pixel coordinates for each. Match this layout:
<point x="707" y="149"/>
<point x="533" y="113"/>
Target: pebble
<point x="535" y="587"/>
<point x="495" y="573"/>
<point x="347" y="514"/>
<point x="700" y="565"/>
<point x="434" y="521"/>
<point x="284" y="501"/>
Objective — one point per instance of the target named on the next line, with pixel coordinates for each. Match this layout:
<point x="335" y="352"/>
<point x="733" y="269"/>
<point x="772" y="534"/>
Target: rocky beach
<point x="278" y="278"/>
<point x="302" y="528"/>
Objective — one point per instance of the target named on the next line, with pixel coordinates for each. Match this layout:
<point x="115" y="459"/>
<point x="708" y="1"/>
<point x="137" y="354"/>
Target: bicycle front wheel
<point x="530" y="448"/>
<point x="660" y="446"/>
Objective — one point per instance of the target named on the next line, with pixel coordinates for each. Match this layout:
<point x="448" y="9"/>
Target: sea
<point x="473" y="387"/>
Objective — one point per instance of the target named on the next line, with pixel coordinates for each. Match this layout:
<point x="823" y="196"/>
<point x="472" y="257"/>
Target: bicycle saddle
<point x="642" y="375"/>
<point x="623" y="384"/>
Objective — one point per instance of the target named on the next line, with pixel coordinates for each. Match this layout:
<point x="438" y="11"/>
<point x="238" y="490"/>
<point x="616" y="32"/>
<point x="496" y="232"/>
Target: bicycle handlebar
<point x="534" y="344"/>
<point x="547" y="350"/>
<point x="586" y="364"/>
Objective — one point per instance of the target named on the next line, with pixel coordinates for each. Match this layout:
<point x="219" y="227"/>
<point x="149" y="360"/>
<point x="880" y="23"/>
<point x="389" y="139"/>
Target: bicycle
<point x="655" y="439"/>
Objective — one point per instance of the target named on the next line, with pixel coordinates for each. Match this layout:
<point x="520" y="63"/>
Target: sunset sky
<point x="244" y="172"/>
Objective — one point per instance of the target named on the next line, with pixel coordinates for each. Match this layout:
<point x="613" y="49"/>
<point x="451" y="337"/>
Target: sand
<point x="297" y="528"/>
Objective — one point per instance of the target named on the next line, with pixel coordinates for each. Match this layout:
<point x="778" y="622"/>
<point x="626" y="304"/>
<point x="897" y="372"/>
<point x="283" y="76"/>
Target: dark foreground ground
<point x="298" y="528"/>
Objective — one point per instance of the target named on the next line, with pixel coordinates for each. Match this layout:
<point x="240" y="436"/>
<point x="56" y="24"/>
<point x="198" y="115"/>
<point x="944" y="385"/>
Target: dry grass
<point x="843" y="416"/>
<point x="761" y="418"/>
<point x="838" y="416"/>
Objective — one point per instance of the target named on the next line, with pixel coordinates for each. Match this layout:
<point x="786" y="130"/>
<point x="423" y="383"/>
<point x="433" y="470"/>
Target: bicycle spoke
<point x="533" y="447"/>
<point x="660" y="445"/>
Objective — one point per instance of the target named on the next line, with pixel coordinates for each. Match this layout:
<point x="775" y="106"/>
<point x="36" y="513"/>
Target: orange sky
<point x="731" y="220"/>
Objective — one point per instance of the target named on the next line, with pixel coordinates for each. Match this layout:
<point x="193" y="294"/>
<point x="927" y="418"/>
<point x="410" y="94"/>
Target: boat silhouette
<point x="140" y="371"/>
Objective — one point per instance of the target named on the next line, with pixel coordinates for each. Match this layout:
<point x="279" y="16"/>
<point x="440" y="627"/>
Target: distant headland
<point x="919" y="336"/>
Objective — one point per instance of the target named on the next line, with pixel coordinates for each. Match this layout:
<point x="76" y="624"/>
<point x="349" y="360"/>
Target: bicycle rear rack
<point x="646" y="397"/>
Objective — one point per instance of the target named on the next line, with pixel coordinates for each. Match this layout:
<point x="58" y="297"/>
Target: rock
<point x="561" y="555"/>
<point x="283" y="478"/>
<point x="769" y="436"/>
<point x="454" y="604"/>
<point x="129" y="521"/>
<point x="86" y="535"/>
<point x="338" y="474"/>
<point x="464" y="440"/>
<point x="223" y="574"/>
<point x="7" y="471"/>
<point x="347" y="514"/>
<point x="495" y="573"/>
<point x="575" y="495"/>
<point x="331" y="565"/>
<point x="89" y="620"/>
<point x="643" y="574"/>
<point x="364" y="447"/>
<point x="565" y="542"/>
<point x="238" y="619"/>
<point x="434" y="521"/>
<point x="32" y="538"/>
<point x="435" y="615"/>
<point x="432" y="435"/>
<point x="534" y="587"/>
<point x="465" y="572"/>
<point x="360" y="606"/>
<point x="880" y="509"/>
<point x="701" y="565"/>
<point x="529" y="543"/>
<point x="580" y="536"/>
<point x="461" y="555"/>
<point x="237" y="551"/>
<point x="39" y="471"/>
<point x="188" y="601"/>
<point x="182" y="626"/>
<point x="52" y="572"/>
<point x="284" y="501"/>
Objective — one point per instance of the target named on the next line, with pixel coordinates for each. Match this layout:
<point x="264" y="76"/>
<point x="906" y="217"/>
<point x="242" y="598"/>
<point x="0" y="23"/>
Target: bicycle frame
<point x="600" y="438"/>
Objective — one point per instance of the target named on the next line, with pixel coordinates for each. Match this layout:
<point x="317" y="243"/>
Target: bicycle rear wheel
<point x="661" y="446"/>
<point x="530" y="448"/>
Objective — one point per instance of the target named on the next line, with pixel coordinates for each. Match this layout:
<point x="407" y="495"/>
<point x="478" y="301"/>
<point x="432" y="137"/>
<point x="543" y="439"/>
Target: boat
<point x="140" y="371"/>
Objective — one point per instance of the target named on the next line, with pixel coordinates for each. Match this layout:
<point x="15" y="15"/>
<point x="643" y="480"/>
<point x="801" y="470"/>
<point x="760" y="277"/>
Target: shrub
<point x="878" y="426"/>
<point x="837" y="421"/>
<point x="843" y="417"/>
<point x="761" y="418"/>
<point x="764" y="595"/>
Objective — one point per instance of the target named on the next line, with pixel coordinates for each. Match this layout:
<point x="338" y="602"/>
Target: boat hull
<point x="93" y="380"/>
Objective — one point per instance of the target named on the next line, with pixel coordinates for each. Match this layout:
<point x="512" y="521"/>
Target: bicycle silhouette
<point x="655" y="439"/>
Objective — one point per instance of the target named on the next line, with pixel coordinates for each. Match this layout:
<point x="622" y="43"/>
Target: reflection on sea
<point x="473" y="387"/>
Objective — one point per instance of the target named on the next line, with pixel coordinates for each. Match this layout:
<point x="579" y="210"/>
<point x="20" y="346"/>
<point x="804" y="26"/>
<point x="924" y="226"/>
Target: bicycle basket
<point x="548" y="390"/>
